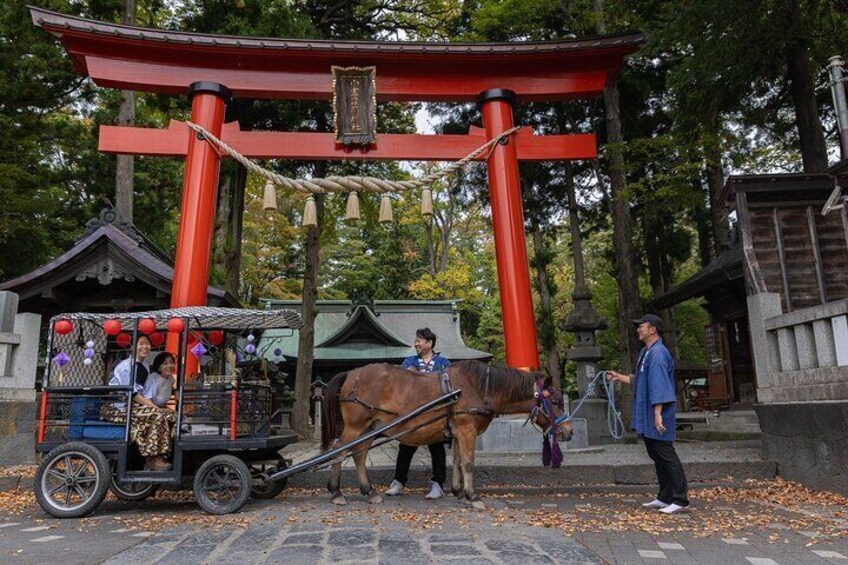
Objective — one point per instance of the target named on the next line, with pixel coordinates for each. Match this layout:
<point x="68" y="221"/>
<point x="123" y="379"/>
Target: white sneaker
<point x="435" y="492"/>
<point x="672" y="508"/>
<point x="395" y="488"/>
<point x="656" y="503"/>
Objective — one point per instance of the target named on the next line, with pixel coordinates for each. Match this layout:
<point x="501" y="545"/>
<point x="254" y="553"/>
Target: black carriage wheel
<point x="262" y="489"/>
<point x="222" y="484"/>
<point x="72" y="480"/>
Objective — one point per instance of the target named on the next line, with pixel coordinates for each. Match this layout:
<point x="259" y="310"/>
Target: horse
<point x="365" y="398"/>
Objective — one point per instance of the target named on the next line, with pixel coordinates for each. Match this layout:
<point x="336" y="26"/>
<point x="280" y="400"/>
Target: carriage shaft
<point x="445" y="399"/>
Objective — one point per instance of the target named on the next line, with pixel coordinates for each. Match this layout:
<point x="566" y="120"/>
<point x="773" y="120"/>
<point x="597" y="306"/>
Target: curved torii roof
<point x="168" y="62"/>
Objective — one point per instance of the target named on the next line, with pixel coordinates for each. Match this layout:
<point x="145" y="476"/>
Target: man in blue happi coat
<point x="425" y="360"/>
<point x="655" y="412"/>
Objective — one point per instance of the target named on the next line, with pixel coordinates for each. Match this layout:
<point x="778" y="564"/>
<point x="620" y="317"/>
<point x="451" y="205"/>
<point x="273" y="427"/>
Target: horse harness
<point x="446" y="388"/>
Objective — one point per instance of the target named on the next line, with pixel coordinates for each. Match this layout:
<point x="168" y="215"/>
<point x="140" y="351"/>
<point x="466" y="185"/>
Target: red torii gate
<point x="211" y="68"/>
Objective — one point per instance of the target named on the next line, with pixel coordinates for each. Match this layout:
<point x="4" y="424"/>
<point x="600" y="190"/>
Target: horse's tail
<point x="332" y="423"/>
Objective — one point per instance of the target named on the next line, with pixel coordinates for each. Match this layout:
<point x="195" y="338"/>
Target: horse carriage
<point x="225" y="445"/>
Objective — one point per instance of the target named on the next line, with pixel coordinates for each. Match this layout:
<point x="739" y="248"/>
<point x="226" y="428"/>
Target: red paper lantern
<point x="216" y="337"/>
<point x="63" y="327"/>
<point x="123" y="339"/>
<point x="176" y="325"/>
<point x="157" y="339"/>
<point x="112" y="327"/>
<point x="147" y="326"/>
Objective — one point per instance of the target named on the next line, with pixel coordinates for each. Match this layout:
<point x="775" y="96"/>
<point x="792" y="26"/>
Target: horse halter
<point x="545" y="398"/>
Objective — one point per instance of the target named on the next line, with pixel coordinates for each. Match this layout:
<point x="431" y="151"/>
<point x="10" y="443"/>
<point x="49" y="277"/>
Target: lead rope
<point x="615" y="424"/>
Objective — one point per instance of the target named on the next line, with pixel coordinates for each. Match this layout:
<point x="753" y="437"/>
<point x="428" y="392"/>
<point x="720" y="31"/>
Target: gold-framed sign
<point x="355" y="105"/>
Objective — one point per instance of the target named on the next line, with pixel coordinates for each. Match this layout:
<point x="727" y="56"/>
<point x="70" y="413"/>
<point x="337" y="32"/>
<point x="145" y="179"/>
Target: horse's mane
<point x="510" y="383"/>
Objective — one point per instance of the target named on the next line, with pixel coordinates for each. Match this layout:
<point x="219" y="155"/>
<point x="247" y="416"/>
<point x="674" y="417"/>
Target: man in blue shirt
<point x="655" y="411"/>
<point x="425" y="360"/>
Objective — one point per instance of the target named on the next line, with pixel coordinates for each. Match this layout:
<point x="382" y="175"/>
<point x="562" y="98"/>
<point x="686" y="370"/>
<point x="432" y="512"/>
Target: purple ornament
<point x="61" y="359"/>
<point x="278" y="352"/>
<point x="89" y="353"/>
<point x="238" y="357"/>
<point x="251" y="349"/>
<point x="198" y="350"/>
<point x="251" y="337"/>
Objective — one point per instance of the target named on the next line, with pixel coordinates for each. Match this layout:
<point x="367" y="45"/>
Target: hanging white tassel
<point x="386" y="215"/>
<point x="310" y="213"/>
<point x="352" y="208"/>
<point x="427" y="202"/>
<point x="269" y="197"/>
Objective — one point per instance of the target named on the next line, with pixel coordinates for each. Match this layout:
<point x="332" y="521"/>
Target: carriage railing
<point x="226" y="410"/>
<point x="74" y="413"/>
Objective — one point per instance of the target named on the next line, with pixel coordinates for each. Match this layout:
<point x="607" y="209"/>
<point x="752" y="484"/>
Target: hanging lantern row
<point x="352" y="209"/>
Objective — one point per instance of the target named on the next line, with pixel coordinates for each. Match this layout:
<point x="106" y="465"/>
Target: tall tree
<point x="629" y="306"/>
<point x="126" y="117"/>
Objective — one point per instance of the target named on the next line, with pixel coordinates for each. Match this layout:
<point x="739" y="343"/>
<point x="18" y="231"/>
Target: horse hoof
<point x="339" y="500"/>
<point x="463" y="501"/>
<point x="456" y="492"/>
<point x="478" y="505"/>
<point x="376" y="499"/>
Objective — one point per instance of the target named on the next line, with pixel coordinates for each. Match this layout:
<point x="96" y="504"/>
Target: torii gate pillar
<point x="508" y="224"/>
<point x="200" y="191"/>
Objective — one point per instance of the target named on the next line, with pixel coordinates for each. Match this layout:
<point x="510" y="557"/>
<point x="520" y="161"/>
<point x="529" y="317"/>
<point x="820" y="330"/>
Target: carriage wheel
<point x="133" y="491"/>
<point x="72" y="480"/>
<point x="262" y="489"/>
<point x="222" y="484"/>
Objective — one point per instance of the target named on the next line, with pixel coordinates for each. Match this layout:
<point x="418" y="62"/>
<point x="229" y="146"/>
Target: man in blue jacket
<point x="425" y="360"/>
<point x="655" y="411"/>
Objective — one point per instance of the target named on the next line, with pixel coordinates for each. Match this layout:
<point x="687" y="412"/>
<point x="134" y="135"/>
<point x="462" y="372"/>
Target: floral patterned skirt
<point x="152" y="429"/>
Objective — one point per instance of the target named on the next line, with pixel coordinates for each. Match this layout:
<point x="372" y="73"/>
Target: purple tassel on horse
<point x="556" y="453"/>
<point x="546" y="451"/>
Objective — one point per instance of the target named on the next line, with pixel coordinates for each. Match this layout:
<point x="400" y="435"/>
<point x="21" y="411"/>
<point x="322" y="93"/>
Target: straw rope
<point x="350" y="183"/>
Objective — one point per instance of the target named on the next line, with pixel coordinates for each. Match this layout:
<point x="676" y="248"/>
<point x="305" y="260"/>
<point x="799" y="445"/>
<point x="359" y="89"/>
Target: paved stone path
<point x="302" y="526"/>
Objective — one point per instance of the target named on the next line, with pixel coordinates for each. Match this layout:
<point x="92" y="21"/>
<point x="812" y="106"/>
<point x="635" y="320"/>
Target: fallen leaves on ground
<point x="717" y="510"/>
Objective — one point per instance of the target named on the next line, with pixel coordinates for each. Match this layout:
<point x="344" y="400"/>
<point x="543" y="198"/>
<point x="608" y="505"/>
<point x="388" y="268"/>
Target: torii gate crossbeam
<point x="211" y="68"/>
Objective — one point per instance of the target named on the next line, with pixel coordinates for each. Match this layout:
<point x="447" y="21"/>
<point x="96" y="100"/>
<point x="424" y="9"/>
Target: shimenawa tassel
<point x="546" y="451"/>
<point x="556" y="452"/>
<point x="352" y="208"/>
<point x="310" y="213"/>
<point x="385" y="209"/>
<point x="427" y="202"/>
<point x="269" y="197"/>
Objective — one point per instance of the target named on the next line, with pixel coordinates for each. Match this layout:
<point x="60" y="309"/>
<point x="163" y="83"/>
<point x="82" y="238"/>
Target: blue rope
<point x="615" y="425"/>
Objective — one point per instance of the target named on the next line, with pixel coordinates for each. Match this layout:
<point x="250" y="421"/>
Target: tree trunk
<point x="229" y="217"/>
<point x="306" y="340"/>
<point x="546" y="324"/>
<point x="703" y="226"/>
<point x="629" y="307"/>
<point x="431" y="246"/>
<point x="125" y="165"/>
<point x="802" y="86"/>
<point x="718" y="210"/>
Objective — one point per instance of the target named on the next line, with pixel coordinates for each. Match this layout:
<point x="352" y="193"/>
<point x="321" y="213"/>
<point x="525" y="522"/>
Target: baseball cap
<point x="652" y="319"/>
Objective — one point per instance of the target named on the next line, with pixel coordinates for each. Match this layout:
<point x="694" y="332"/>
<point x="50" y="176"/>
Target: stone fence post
<point x="19" y="341"/>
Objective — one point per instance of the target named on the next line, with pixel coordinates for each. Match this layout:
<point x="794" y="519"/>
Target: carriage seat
<point x="85" y="422"/>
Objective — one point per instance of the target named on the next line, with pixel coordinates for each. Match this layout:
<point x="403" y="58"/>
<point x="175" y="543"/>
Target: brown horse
<point x="368" y="397"/>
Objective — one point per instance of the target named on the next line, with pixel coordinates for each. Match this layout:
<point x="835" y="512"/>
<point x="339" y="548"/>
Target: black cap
<point x="655" y="321"/>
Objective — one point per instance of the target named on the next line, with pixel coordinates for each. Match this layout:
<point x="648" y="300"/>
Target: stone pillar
<point x="764" y="346"/>
<point x="19" y="341"/>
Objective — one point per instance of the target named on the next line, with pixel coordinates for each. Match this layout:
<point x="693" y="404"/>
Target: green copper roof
<point x="378" y="332"/>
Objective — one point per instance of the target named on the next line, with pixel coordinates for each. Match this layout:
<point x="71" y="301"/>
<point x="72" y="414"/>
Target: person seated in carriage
<point x="160" y="382"/>
<point x="151" y="428"/>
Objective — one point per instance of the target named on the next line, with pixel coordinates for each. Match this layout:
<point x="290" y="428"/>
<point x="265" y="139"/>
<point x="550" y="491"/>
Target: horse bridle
<point x="544" y="399"/>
